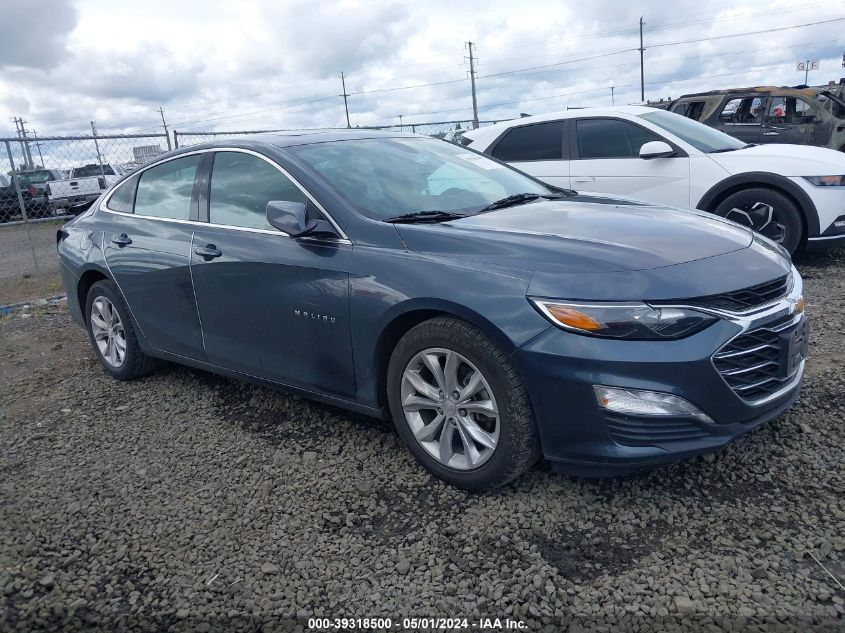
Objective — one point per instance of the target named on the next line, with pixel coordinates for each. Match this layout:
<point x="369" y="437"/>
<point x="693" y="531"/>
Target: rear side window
<point x="611" y="138"/>
<point x="164" y="191"/>
<point x="743" y="111"/>
<point x="541" y="141"/>
<point x="690" y="109"/>
<point x="123" y="198"/>
<point x="241" y="187"/>
<point x="92" y="170"/>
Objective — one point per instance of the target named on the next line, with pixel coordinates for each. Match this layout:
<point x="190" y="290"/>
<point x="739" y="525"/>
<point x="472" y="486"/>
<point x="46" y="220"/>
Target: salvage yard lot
<point x="187" y="500"/>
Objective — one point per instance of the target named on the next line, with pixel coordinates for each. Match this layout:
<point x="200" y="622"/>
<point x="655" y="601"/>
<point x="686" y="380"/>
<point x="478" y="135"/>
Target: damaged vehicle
<point x="767" y="114"/>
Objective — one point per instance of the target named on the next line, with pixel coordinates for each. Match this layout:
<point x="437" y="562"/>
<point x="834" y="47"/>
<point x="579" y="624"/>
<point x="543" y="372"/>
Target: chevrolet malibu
<point x="495" y="319"/>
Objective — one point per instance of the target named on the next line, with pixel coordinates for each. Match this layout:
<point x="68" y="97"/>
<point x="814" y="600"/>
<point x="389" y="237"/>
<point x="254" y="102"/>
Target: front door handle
<point x="583" y="179"/>
<point x="121" y="240"/>
<point x="208" y="252"/>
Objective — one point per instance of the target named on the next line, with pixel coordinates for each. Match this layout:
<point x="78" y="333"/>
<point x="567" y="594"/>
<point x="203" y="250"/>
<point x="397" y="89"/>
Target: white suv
<point x="793" y="194"/>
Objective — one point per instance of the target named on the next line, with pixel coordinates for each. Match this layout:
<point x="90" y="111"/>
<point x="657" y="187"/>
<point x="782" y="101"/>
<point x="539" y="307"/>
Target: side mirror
<point x="656" y="149"/>
<point x="291" y="217"/>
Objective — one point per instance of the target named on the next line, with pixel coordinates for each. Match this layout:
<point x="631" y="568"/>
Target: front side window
<point x="700" y="136"/>
<point x="742" y="111"/>
<point x="164" y="191"/>
<point x="790" y="111"/>
<point x="541" y="141"/>
<point x="241" y="187"/>
<point x="387" y="177"/>
<point x="611" y="138"/>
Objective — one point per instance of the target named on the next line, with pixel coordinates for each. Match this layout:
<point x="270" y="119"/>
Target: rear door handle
<point x="771" y="133"/>
<point x="207" y="252"/>
<point x="121" y="240"/>
<point x="583" y="179"/>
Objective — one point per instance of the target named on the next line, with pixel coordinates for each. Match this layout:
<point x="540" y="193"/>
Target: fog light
<point x="654" y="403"/>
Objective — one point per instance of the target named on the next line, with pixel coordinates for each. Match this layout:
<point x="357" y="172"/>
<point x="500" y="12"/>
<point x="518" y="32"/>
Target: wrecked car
<point x="768" y="114"/>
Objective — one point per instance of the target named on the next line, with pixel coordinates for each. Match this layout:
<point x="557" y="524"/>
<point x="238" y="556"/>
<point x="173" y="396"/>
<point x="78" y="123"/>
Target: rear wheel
<point x="460" y="406"/>
<point x="768" y="212"/>
<point x="112" y="333"/>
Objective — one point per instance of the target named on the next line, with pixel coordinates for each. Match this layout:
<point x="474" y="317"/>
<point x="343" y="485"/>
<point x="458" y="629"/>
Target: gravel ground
<point x="185" y="501"/>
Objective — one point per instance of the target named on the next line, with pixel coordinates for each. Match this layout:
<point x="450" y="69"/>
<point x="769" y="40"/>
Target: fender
<point x="752" y="178"/>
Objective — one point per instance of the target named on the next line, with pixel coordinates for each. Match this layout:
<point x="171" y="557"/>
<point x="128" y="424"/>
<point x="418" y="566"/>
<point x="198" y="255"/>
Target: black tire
<point x="135" y="363"/>
<point x="753" y="202"/>
<point x="518" y="446"/>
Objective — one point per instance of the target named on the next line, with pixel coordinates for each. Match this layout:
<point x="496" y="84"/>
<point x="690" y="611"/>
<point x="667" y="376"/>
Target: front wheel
<point x="768" y="212"/>
<point x="460" y="406"/>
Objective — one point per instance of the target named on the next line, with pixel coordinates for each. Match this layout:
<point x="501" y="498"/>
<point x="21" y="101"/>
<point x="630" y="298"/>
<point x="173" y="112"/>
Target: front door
<point x="147" y="242"/>
<point x="605" y="159"/>
<point x="271" y="306"/>
<point x="790" y="120"/>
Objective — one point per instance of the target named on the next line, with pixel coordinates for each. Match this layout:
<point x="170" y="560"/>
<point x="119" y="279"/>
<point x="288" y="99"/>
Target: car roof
<point x="632" y="110"/>
<point x="282" y="139"/>
<point x="803" y="91"/>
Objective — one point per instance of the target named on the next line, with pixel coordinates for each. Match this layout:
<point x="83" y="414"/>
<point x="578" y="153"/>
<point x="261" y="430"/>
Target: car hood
<point x="583" y="234"/>
<point x="782" y="159"/>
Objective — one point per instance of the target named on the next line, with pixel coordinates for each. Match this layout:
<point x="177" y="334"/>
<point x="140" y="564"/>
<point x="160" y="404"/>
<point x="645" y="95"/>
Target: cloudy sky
<point x="252" y="64"/>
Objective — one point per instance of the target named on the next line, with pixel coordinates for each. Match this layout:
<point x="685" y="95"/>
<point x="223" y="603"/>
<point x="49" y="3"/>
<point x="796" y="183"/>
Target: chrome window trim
<point x="104" y="204"/>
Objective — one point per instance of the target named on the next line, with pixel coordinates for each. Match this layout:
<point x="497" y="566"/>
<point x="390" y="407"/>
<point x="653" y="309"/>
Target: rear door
<point x="147" y="240"/>
<point x="271" y="306"/>
<point x="538" y="149"/>
<point x="741" y="116"/>
<point x="605" y="159"/>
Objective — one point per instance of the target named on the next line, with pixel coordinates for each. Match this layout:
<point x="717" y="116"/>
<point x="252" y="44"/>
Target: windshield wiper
<point x="520" y="198"/>
<point x="421" y="217"/>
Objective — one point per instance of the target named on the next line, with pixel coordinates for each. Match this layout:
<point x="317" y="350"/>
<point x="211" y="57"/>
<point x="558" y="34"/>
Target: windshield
<point x="701" y="137"/>
<point x="388" y="177"/>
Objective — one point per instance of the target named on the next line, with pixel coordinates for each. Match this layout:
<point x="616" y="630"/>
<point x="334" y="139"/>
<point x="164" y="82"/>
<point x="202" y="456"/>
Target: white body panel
<point x="678" y="181"/>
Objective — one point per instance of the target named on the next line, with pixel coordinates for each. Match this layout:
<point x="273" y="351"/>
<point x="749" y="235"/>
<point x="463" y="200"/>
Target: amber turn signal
<point x="573" y="318"/>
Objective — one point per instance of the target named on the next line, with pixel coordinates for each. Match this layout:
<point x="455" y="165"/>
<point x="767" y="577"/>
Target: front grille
<point x="760" y="362"/>
<point x="745" y="299"/>
<point x="631" y="431"/>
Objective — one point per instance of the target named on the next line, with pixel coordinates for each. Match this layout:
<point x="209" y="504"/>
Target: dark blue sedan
<point x="495" y="319"/>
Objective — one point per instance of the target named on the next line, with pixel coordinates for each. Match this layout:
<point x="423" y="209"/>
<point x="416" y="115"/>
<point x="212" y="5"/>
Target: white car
<point x="793" y="194"/>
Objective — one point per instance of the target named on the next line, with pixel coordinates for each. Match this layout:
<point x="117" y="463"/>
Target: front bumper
<point x="580" y="438"/>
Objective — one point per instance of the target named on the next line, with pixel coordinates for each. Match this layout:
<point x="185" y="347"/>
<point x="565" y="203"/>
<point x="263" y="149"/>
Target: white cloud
<point x="243" y="64"/>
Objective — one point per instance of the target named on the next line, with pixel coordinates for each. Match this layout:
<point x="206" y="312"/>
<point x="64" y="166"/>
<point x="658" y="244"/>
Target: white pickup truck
<point x="85" y="183"/>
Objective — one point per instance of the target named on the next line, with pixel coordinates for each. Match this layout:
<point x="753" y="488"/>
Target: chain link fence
<point x="450" y="130"/>
<point x="44" y="181"/>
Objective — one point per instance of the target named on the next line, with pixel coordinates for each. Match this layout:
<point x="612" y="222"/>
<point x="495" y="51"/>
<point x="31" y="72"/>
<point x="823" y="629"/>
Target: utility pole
<point x="642" y="64"/>
<point x="345" y="95"/>
<point x="21" y="129"/>
<point x="38" y="146"/>
<point x="97" y="147"/>
<point x="612" y="100"/>
<point x="164" y="125"/>
<point x="470" y="46"/>
<point x="400" y="122"/>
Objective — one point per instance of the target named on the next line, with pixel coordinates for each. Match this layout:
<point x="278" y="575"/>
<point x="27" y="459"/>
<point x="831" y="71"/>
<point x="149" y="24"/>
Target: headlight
<point x="826" y="181"/>
<point x="633" y="321"/>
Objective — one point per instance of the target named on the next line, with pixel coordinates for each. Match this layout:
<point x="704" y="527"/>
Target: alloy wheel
<point x="760" y="217"/>
<point x="450" y="408"/>
<point x="109" y="334"/>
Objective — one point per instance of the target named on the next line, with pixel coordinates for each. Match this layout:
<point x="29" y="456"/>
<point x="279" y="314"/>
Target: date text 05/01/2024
<point x="411" y="624"/>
